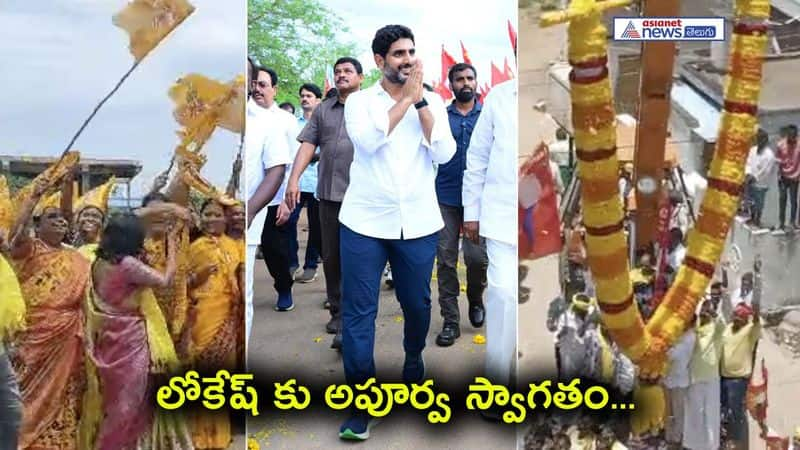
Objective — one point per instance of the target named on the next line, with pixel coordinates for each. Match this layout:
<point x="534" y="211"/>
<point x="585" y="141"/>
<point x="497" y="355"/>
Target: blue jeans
<point x="734" y="411"/>
<point x="314" y="240"/>
<point x="757" y="195"/>
<point x="363" y="260"/>
<point x="10" y="405"/>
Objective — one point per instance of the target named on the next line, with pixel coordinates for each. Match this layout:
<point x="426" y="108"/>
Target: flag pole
<point x="99" y="105"/>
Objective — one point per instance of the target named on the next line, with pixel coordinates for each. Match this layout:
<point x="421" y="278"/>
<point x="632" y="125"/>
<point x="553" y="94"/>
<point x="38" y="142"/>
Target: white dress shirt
<point x="490" y="181"/>
<point x="763" y="167"/>
<point x="680" y="355"/>
<point x="391" y="191"/>
<point x="265" y="147"/>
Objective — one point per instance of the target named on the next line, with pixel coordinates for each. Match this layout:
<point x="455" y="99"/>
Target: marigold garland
<point x="597" y="167"/>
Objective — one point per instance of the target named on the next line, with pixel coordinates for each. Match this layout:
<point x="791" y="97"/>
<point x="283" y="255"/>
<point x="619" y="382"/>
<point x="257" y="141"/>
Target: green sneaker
<point x="357" y="426"/>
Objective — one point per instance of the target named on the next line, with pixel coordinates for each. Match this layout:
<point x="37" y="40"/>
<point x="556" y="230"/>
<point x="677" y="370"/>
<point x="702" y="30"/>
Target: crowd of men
<point x="389" y="174"/>
<point x="710" y="366"/>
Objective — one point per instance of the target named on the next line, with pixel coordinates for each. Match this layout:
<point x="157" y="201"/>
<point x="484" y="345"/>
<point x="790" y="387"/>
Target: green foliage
<point x="299" y="39"/>
<point x="16" y="182"/>
<point x="371" y="77"/>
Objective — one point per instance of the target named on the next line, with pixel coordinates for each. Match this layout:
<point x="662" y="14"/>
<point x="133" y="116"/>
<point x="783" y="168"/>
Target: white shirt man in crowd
<point x="268" y="155"/>
<point x="264" y="113"/>
<point x="390" y="211"/>
<point x="677" y="384"/>
<point x="490" y="211"/>
<point x="761" y="171"/>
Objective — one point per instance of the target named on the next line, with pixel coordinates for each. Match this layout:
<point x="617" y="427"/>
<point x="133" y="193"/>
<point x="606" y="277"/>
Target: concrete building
<point x="92" y="172"/>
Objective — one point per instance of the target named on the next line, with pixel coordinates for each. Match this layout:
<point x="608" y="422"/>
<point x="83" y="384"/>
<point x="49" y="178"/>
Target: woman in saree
<point x="172" y="298"/>
<point x="49" y="359"/>
<point x="215" y="265"/>
<point x="90" y="215"/>
<point x="129" y="343"/>
<point x="235" y="216"/>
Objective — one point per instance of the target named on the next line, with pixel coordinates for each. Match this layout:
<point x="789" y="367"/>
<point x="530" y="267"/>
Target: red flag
<point x="447" y="62"/>
<point x="497" y="76"/>
<point x="512" y="35"/>
<point x="539" y="226"/>
<point x="443" y="91"/>
<point x="507" y="69"/>
<point x="483" y="91"/>
<point x="465" y="54"/>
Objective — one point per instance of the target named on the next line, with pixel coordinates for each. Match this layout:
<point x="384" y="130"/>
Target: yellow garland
<point x="647" y="346"/>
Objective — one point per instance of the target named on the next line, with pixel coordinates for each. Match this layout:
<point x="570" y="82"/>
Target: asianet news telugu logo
<point x="669" y="29"/>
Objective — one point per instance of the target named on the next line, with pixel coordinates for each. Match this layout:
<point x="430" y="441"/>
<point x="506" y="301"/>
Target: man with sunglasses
<point x="265" y="115"/>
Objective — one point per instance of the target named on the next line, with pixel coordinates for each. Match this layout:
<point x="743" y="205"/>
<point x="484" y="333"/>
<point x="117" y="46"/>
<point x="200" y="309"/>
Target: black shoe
<point x="476" y="315"/>
<point x="337" y="342"/>
<point x="450" y="332"/>
<point x="493" y="414"/>
<point x="333" y="325"/>
<point x="413" y="369"/>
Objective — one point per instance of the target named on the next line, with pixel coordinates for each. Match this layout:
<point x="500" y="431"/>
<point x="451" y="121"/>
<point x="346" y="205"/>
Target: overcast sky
<point x="60" y="57"/>
<point x="480" y="25"/>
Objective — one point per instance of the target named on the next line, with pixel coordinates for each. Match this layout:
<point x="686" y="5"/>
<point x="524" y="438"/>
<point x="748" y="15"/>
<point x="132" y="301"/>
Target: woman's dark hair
<point x="123" y="236"/>
<point x="386" y="36"/>
<point x="154" y="197"/>
<point x="195" y="232"/>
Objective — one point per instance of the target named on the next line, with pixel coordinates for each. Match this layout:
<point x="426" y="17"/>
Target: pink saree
<point x="121" y="354"/>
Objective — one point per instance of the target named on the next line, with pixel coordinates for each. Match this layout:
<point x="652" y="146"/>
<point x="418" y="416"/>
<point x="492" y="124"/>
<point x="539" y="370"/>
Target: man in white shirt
<point x="761" y="170"/>
<point x="677" y="384"/>
<point x="390" y="211"/>
<point x="490" y="211"/>
<point x="266" y="123"/>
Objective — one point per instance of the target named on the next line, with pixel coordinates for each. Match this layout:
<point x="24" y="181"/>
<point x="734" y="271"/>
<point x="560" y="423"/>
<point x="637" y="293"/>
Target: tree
<point x="371" y="77"/>
<point x="299" y="39"/>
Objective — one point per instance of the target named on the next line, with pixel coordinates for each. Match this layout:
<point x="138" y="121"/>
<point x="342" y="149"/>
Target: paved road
<point x="295" y="344"/>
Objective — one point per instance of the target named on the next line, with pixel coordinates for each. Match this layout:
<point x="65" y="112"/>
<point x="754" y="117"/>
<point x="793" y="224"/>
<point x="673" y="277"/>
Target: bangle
<point x="421" y="104"/>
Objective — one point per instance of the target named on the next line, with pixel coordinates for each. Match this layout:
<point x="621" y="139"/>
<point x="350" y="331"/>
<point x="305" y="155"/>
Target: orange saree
<point x="50" y="352"/>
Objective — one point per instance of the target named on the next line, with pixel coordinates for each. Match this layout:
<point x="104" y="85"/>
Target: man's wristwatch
<point x="421" y="104"/>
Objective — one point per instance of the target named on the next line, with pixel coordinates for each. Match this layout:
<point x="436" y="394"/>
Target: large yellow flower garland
<point x="593" y="119"/>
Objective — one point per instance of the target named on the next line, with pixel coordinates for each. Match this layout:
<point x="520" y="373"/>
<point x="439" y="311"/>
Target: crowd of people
<point x="710" y="366"/>
<point x="766" y="169"/>
<point x="110" y="304"/>
<point x="396" y="177"/>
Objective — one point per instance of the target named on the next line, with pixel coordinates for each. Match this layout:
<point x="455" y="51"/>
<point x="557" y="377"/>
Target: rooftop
<point x="33" y="165"/>
<point x="779" y="89"/>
